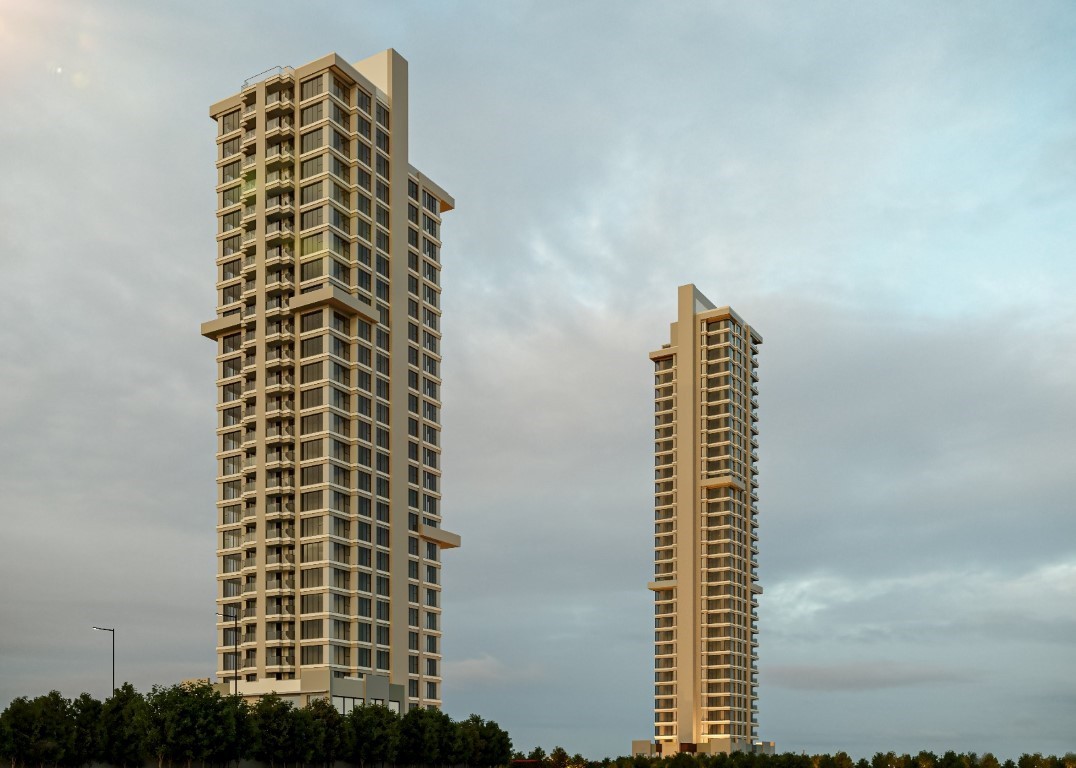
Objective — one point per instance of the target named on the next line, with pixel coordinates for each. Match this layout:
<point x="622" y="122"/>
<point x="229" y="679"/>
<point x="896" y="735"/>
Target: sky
<point x="885" y="190"/>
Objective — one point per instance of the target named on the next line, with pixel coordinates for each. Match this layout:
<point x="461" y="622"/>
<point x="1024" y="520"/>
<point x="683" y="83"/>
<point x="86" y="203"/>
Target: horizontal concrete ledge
<point x="214" y="328"/>
<point x="722" y="481"/>
<point x="444" y="539"/>
<point x="660" y="586"/>
<point x="333" y="296"/>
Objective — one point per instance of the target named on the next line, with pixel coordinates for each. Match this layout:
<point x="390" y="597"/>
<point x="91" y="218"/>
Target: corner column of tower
<point x="685" y="340"/>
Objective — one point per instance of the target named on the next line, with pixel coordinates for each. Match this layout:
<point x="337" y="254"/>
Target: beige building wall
<point x="705" y="543"/>
<point x="329" y="386"/>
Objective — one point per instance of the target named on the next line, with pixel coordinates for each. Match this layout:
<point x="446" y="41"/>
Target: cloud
<point x="882" y="189"/>
<point x="485" y="670"/>
<point x="862" y="676"/>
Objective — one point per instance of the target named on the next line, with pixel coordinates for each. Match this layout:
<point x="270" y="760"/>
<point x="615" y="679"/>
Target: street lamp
<point x="113" y="631"/>
<point x="235" y="644"/>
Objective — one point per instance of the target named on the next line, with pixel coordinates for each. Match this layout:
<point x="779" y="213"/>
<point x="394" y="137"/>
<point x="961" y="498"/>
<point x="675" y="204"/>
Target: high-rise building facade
<point x="705" y="543"/>
<point x="328" y="334"/>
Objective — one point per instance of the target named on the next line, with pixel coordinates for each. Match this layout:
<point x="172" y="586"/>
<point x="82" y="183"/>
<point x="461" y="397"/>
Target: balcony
<point x="279" y="282"/>
<point x="278" y="100"/>
<point x="278" y="126"/>
<point x="278" y="179"/>
<point x="274" y="585"/>
<point x="278" y="155"/>
<point x="278" y="230"/>
<point x="286" y="562"/>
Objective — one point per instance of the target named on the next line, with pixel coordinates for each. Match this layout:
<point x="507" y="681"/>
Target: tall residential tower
<point x="328" y="375"/>
<point x="705" y="542"/>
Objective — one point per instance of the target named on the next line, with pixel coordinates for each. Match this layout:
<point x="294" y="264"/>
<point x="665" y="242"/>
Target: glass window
<point x="311" y="87"/>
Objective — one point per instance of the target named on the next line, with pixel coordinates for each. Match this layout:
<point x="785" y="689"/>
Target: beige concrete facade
<point x="705" y="543"/>
<point x="329" y="388"/>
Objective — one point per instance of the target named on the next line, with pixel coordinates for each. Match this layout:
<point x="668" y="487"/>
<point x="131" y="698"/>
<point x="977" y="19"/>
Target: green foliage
<point x="327" y="732"/>
<point x="427" y="737"/>
<point x="85" y="716"/>
<point x="119" y="729"/>
<point x="482" y="743"/>
<point x="190" y="723"/>
<point x="371" y="736"/>
<point x="273" y="730"/>
<point x="193" y="726"/>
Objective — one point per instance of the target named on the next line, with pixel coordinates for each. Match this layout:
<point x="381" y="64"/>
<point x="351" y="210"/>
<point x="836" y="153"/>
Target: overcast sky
<point x="885" y="190"/>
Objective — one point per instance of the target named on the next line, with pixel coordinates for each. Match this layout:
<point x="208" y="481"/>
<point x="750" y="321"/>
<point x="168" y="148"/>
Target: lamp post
<point x="113" y="631"/>
<point x="235" y="645"/>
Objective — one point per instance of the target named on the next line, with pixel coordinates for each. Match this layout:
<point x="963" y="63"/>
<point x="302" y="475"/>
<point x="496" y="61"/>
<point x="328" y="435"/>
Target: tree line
<point x="559" y="758"/>
<point x="191" y="724"/>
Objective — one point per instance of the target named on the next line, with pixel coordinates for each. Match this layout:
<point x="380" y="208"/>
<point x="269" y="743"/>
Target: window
<point x="311" y="192"/>
<point x="310" y="88"/>
<point x="312" y="218"/>
<point x="312" y="577"/>
<point x="312" y="398"/>
<point x="362" y="99"/>
<point x="310" y="500"/>
<point x="341" y="90"/>
<point x="312" y="244"/>
<point x="312" y="114"/>
<point x="230" y="172"/>
<point x="230" y="122"/>
<point x="340" y="143"/>
<point x="311" y="140"/>
<point x="230" y="221"/>
<point x="311" y="654"/>
<point x="312" y="167"/>
<point x="382" y="116"/>
<point x="311" y="372"/>
<point x="313" y="345"/>
<point x="311" y="321"/>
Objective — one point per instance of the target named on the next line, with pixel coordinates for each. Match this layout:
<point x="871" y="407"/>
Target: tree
<point x="558" y="758"/>
<point x="328" y="728"/>
<point x="119" y="730"/>
<point x="187" y="723"/>
<point x="53" y="729"/>
<point x="371" y="735"/>
<point x="537" y="754"/>
<point x="85" y="715"/>
<point x="18" y="731"/>
<point x="427" y="737"/>
<point x="496" y="749"/>
<point x="272" y="721"/>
